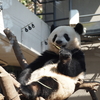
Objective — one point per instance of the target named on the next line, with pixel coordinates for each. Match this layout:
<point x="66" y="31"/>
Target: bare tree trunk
<point x="13" y="41"/>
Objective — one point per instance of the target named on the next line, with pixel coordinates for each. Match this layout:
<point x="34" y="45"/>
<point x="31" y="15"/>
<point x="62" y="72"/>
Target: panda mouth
<point x="61" y="45"/>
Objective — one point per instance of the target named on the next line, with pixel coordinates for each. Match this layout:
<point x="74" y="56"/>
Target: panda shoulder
<point x="49" y="53"/>
<point x="77" y="52"/>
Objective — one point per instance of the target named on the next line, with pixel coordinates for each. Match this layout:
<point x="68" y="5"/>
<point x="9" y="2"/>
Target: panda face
<point x="61" y="41"/>
<point x="64" y="36"/>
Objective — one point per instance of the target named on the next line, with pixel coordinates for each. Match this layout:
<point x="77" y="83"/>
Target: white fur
<point x="60" y="31"/>
<point x="75" y="41"/>
<point x="66" y="83"/>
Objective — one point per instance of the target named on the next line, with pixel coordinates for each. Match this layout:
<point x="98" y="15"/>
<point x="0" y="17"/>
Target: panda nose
<point x="58" y="41"/>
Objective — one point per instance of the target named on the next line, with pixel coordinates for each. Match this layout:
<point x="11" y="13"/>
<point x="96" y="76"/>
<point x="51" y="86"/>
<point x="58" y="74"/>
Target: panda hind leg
<point x="41" y="88"/>
<point x="30" y="91"/>
<point x="48" y="85"/>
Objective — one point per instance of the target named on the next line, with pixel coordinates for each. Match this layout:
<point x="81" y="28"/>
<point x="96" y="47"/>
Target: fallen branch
<point x="13" y="41"/>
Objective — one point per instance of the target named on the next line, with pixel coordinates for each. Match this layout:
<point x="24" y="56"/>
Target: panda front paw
<point x="65" y="54"/>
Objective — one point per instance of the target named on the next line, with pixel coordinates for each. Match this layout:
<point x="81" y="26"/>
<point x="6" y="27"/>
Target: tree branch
<point x="6" y="83"/>
<point x="1" y="97"/>
<point x="93" y="95"/>
<point x="13" y="41"/>
<point x="89" y="87"/>
<point x="16" y="83"/>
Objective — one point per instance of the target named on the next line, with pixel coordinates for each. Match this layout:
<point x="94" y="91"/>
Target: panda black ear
<point x="79" y="28"/>
<point x="52" y="27"/>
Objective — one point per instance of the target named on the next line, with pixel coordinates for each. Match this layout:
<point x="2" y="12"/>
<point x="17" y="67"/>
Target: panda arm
<point x="65" y="58"/>
<point x="71" y="63"/>
<point x="79" y="56"/>
<point x="38" y="63"/>
<point x="41" y="60"/>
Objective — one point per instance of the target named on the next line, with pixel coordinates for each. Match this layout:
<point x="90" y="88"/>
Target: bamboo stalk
<point x="56" y="46"/>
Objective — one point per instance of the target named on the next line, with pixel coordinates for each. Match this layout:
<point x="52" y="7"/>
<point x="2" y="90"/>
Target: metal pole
<point x="45" y="11"/>
<point x="89" y="15"/>
<point x="70" y="5"/>
<point x="54" y="10"/>
<point x="57" y="20"/>
<point x="35" y="6"/>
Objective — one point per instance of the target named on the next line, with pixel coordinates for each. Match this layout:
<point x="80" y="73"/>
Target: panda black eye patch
<point x="55" y="36"/>
<point x="66" y="37"/>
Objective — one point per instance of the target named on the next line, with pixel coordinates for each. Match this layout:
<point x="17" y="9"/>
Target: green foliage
<point x="30" y="5"/>
<point x="25" y="2"/>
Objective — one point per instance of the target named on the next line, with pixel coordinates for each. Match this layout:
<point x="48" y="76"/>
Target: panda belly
<point x="66" y="88"/>
<point x="48" y="70"/>
<point x="66" y="85"/>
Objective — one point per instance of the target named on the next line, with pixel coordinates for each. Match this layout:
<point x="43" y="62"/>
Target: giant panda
<point x="61" y="72"/>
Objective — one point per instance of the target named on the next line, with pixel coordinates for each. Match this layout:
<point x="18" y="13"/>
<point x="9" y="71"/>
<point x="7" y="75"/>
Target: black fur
<point x="28" y="92"/>
<point x="38" y="63"/>
<point x="40" y="90"/>
<point x="72" y="62"/>
<point x="79" y="28"/>
<point x="55" y="36"/>
<point x="48" y="81"/>
<point x="52" y="27"/>
<point x="67" y="37"/>
<point x="45" y="57"/>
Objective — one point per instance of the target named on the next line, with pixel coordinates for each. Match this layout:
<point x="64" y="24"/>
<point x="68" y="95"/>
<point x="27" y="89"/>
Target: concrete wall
<point x="17" y="17"/>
